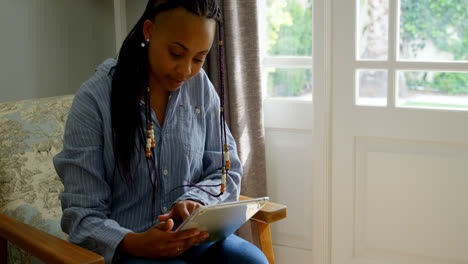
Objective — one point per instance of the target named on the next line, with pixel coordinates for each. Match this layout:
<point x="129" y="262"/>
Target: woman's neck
<point x="159" y="99"/>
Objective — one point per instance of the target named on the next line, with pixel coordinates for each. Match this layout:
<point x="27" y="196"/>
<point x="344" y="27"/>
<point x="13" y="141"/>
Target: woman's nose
<point x="184" y="68"/>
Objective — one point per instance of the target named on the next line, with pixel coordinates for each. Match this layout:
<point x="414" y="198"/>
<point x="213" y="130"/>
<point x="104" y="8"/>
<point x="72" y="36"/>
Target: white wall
<point x="135" y="9"/>
<point x="50" y="47"/>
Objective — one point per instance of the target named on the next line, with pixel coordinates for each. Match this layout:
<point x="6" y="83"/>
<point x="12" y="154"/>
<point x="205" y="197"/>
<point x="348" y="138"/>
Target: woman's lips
<point x="176" y="82"/>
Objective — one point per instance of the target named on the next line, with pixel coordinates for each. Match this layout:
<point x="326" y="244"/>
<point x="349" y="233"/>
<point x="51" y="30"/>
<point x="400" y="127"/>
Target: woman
<point x="142" y="145"/>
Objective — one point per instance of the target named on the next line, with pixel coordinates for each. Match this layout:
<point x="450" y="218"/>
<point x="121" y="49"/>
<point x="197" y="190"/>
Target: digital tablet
<point x="221" y="220"/>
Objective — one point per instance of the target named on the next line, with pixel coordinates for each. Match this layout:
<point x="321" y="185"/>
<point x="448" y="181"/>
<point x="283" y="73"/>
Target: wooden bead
<point x="223" y="179"/>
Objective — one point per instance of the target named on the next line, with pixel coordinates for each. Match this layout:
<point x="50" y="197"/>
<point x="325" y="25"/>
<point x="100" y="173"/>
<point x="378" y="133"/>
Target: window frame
<point x="393" y="64"/>
<point x="281" y="62"/>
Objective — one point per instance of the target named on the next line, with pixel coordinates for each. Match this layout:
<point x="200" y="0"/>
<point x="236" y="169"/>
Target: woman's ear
<point x="148" y="29"/>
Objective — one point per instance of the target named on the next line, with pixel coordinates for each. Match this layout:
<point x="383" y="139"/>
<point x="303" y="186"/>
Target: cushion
<point x="31" y="133"/>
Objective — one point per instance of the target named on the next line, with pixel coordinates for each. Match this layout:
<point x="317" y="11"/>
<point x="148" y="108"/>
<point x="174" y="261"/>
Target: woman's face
<point x="179" y="44"/>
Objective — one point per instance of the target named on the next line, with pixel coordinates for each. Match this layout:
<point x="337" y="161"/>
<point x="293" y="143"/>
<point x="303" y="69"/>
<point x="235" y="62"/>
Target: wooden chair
<point x="270" y="213"/>
<point x="51" y="249"/>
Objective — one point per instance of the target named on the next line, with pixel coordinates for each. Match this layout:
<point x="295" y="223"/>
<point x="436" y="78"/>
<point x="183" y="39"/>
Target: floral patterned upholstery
<point x="31" y="133"/>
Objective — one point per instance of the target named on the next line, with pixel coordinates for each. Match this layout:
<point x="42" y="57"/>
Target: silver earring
<point x="144" y="44"/>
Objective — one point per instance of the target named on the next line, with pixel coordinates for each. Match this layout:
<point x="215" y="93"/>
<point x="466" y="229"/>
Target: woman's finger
<point x="165" y="226"/>
<point x="168" y="215"/>
<point x="193" y="206"/>
<point x="183" y="235"/>
<point x="195" y="240"/>
<point x="184" y="212"/>
<point x="180" y="246"/>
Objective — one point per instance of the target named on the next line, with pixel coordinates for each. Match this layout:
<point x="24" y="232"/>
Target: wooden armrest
<point x="44" y="246"/>
<point x="270" y="213"/>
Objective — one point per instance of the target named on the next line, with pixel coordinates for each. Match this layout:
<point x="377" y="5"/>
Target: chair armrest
<point x="44" y="246"/>
<point x="269" y="213"/>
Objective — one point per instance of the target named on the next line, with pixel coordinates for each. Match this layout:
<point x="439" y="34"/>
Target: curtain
<point x="243" y="95"/>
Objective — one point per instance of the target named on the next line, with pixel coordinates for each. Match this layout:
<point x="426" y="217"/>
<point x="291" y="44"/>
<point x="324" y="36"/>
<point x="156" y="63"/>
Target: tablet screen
<point x="221" y="220"/>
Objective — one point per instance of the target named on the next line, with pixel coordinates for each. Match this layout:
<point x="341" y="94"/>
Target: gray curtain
<point x="243" y="95"/>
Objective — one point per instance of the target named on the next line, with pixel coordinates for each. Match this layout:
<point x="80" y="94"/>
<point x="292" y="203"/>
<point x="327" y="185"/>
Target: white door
<point x="399" y="185"/>
<point x="296" y="123"/>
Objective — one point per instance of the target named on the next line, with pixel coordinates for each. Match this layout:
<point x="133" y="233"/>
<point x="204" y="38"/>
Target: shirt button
<point x="165" y="172"/>
<point x="197" y="111"/>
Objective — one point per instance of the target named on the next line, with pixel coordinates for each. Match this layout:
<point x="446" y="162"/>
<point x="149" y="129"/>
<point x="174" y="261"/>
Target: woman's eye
<point x="199" y="59"/>
<point x="176" y="54"/>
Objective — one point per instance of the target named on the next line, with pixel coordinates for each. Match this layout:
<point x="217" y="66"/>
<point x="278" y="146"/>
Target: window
<point x="412" y="54"/>
<point x="286" y="48"/>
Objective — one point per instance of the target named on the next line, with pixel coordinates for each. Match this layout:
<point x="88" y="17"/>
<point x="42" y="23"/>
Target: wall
<point x="135" y="9"/>
<point x="50" y="47"/>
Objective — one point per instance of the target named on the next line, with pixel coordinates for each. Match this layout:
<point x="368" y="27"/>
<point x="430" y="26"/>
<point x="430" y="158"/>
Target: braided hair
<point x="130" y="81"/>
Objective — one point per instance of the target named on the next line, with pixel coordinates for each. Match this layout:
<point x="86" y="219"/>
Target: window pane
<point x="372" y="87"/>
<point x="295" y="83"/>
<point x="289" y="27"/>
<point x="434" y="30"/>
<point x="431" y="89"/>
<point x="372" y="29"/>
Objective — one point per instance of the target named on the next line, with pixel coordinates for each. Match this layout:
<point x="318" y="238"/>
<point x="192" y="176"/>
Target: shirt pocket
<point x="191" y="130"/>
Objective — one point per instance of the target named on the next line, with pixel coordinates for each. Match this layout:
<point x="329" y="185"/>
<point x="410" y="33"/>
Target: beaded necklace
<point x="226" y="163"/>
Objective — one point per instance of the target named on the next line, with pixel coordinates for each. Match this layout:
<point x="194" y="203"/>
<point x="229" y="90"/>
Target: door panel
<point x="289" y="152"/>
<point x="398" y="174"/>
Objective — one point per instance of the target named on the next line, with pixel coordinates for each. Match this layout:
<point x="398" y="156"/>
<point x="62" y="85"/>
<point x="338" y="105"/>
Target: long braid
<point x="225" y="160"/>
<point x="130" y="80"/>
<point x="131" y="71"/>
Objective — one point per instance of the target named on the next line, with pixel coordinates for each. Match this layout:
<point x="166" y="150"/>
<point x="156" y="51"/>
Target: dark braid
<point x="131" y="79"/>
<point x="225" y="163"/>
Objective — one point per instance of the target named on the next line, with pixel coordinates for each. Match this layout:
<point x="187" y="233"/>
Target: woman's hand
<point x="181" y="209"/>
<point x="159" y="242"/>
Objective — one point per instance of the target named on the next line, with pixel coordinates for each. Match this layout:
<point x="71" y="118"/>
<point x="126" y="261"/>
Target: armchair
<point x="30" y="135"/>
<point x="51" y="249"/>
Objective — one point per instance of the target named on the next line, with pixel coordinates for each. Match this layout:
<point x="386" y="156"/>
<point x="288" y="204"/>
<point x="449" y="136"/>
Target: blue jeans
<point x="233" y="250"/>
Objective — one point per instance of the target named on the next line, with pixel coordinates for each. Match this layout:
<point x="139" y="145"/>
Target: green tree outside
<point x="289" y="33"/>
<point x="445" y="24"/>
<point x="442" y="22"/>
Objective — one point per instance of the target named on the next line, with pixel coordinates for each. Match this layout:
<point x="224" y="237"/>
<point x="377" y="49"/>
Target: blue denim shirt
<point x="99" y="208"/>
